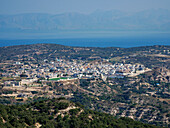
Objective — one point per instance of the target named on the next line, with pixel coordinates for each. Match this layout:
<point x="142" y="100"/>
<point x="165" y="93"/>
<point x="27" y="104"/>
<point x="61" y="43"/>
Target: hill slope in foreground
<point x="60" y="113"/>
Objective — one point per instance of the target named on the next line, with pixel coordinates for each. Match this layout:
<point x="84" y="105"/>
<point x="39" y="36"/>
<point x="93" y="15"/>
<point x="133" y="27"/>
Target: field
<point x="59" y="78"/>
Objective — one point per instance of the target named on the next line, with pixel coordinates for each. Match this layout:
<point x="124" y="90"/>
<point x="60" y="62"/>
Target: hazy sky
<point x="82" y="6"/>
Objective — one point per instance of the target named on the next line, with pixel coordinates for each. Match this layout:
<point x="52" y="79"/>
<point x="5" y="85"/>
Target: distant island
<point x="113" y="23"/>
<point x="113" y="20"/>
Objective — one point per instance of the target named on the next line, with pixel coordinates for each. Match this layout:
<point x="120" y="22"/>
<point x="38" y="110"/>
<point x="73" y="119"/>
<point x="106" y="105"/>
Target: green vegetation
<point x="60" y="78"/>
<point x="47" y="114"/>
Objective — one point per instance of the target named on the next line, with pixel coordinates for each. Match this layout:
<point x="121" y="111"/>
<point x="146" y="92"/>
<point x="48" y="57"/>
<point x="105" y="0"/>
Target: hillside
<point x="60" y="113"/>
<point x="124" y="82"/>
<point x="150" y="56"/>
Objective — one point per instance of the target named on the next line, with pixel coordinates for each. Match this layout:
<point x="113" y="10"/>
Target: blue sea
<point x="92" y="42"/>
<point x="88" y="39"/>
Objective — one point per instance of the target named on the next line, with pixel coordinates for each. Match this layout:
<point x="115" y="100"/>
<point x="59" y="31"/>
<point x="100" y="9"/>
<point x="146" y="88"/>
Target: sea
<point x="123" y="42"/>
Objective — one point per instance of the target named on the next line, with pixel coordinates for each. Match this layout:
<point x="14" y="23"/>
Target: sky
<point x="81" y="6"/>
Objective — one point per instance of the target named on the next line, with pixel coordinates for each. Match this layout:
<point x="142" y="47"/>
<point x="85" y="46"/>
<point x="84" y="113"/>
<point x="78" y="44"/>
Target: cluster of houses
<point x="71" y="69"/>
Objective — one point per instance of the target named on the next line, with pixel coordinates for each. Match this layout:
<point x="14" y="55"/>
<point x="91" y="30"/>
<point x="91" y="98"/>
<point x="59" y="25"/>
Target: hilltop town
<point x="28" y="78"/>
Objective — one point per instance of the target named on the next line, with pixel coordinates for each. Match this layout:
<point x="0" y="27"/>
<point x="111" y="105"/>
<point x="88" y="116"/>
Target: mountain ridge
<point x="151" y="20"/>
